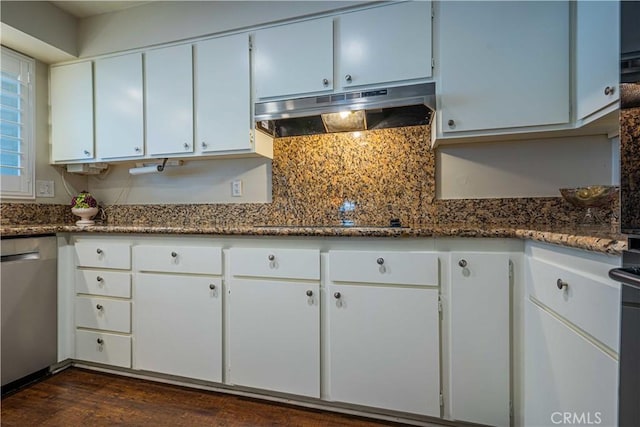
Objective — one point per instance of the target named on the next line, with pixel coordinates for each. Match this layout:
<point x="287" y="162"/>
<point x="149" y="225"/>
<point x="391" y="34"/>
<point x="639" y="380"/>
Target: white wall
<point x="169" y="21"/>
<point x="532" y="168"/>
<point x="199" y="181"/>
<point x="31" y="24"/>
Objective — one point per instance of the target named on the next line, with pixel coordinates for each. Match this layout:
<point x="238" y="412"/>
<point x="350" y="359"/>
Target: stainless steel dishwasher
<point x="29" y="314"/>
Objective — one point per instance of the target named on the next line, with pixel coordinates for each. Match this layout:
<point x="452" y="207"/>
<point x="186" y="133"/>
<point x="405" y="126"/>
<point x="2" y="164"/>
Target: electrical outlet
<point x="44" y="189"/>
<point x="236" y="188"/>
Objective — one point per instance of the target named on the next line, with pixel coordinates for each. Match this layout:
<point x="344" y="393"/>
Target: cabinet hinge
<point x="441" y="399"/>
<point x="433" y="63"/>
<point x="511" y="409"/>
<point x="250" y="44"/>
<point x="510" y="271"/>
<point x="439" y="304"/>
<point x="433" y="11"/>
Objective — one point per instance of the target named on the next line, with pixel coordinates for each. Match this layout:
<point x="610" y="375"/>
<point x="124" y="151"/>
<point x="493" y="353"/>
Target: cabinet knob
<point x="212" y="286"/>
<point x="451" y="123"/>
<point x="325" y="82"/>
<point x="100" y="341"/>
<point x="99" y="306"/>
<point x="137" y="149"/>
<point x="561" y="284"/>
<point x="609" y="90"/>
<point x="99" y="251"/>
<point x="174" y="255"/>
<point x="186" y="146"/>
<point x="271" y="257"/>
<point x="380" y="261"/>
<point x="204" y="144"/>
<point x="309" y="293"/>
<point x="337" y="295"/>
<point x="99" y="279"/>
<point x="87" y="153"/>
<point x="462" y="263"/>
<point x="348" y="78"/>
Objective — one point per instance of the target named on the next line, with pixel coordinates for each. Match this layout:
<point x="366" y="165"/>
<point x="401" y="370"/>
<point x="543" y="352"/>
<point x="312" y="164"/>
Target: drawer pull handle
<point x="309" y="293"/>
<point x="271" y="257"/>
<point x="337" y="295"/>
<point x="99" y="279"/>
<point x="609" y="90"/>
<point x="380" y="261"/>
<point x="99" y="307"/>
<point x="100" y="341"/>
<point x="212" y="286"/>
<point x="561" y="284"/>
<point x="462" y="263"/>
<point x="174" y="255"/>
<point x="99" y="251"/>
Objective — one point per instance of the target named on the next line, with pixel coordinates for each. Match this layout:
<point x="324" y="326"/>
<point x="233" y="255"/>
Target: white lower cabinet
<point x="274" y="336"/>
<point x="479" y="338"/>
<point x="274" y="320"/>
<point x="384" y="339"/>
<point x="178" y="310"/>
<point x="566" y="374"/>
<point x="102" y="313"/>
<point x="178" y="325"/>
<point x="571" y="339"/>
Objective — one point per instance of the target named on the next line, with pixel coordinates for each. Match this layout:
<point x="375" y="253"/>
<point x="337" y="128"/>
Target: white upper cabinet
<point x="384" y="44"/>
<point x="502" y="65"/>
<point x="597" y="56"/>
<point x="294" y="58"/>
<point x="119" y="107"/>
<point x="169" y="97"/>
<point x="72" y="112"/>
<point x="223" y="94"/>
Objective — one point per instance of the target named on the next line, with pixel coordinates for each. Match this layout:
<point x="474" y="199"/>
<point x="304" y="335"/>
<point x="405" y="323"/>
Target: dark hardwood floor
<point x="79" y="397"/>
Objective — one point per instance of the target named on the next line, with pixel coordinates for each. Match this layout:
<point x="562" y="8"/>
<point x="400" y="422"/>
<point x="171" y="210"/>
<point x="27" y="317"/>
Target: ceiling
<point x="84" y="9"/>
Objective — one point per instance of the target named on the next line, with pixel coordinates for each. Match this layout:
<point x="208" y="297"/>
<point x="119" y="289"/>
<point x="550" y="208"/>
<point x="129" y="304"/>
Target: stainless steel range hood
<point x="383" y="107"/>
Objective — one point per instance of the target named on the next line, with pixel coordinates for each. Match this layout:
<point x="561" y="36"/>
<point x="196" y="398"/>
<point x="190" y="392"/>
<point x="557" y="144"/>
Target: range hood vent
<point x="383" y="108"/>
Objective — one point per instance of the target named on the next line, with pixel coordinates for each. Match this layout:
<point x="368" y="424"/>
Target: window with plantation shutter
<point x="17" y="155"/>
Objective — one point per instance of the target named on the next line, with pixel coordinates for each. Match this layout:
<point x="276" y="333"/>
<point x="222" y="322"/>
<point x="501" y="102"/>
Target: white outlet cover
<point x="236" y="188"/>
<point x="45" y="189"/>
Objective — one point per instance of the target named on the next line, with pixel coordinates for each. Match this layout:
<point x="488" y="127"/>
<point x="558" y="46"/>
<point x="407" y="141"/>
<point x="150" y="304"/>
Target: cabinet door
<point x="503" y="64"/>
<point x="274" y="336"/>
<point x="72" y="112"/>
<point x="479" y="338"/>
<point x="384" y="347"/>
<point x="565" y="373"/>
<point x="223" y="101"/>
<point x="169" y="94"/>
<point x="597" y="55"/>
<point x="119" y="109"/>
<point x="178" y="325"/>
<point x="294" y="58"/>
<point x="384" y="44"/>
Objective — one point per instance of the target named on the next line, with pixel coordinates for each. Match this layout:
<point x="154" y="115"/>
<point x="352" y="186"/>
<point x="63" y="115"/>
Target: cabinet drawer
<point x="276" y="263"/>
<point x="105" y="283"/>
<point x="104" y="348"/>
<point x="589" y="302"/>
<point x="102" y="313"/>
<point x="178" y="259"/>
<point x="403" y="268"/>
<point x="103" y="254"/>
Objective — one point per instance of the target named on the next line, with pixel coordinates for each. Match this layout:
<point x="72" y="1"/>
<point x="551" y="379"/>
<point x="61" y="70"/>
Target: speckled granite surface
<point x="597" y="241"/>
<point x="630" y="164"/>
<point x="321" y="180"/>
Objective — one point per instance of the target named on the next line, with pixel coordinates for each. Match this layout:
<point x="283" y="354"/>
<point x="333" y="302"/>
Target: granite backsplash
<point x="334" y="179"/>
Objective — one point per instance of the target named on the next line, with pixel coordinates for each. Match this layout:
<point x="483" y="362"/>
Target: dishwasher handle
<point x="21" y="257"/>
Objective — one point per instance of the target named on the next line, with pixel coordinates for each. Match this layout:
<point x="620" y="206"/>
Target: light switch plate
<point x="236" y="188"/>
<point x="44" y="189"/>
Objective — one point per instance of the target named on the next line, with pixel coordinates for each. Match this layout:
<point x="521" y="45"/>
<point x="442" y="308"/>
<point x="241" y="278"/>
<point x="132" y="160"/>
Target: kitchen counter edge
<point x="612" y="244"/>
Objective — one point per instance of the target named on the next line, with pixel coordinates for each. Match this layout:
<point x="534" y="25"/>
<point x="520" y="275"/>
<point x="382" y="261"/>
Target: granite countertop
<point x="593" y="240"/>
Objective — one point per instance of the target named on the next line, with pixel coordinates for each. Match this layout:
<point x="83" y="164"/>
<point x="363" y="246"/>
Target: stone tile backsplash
<point x="327" y="179"/>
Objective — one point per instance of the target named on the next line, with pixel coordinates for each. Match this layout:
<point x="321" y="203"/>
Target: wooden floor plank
<point x="79" y="397"/>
